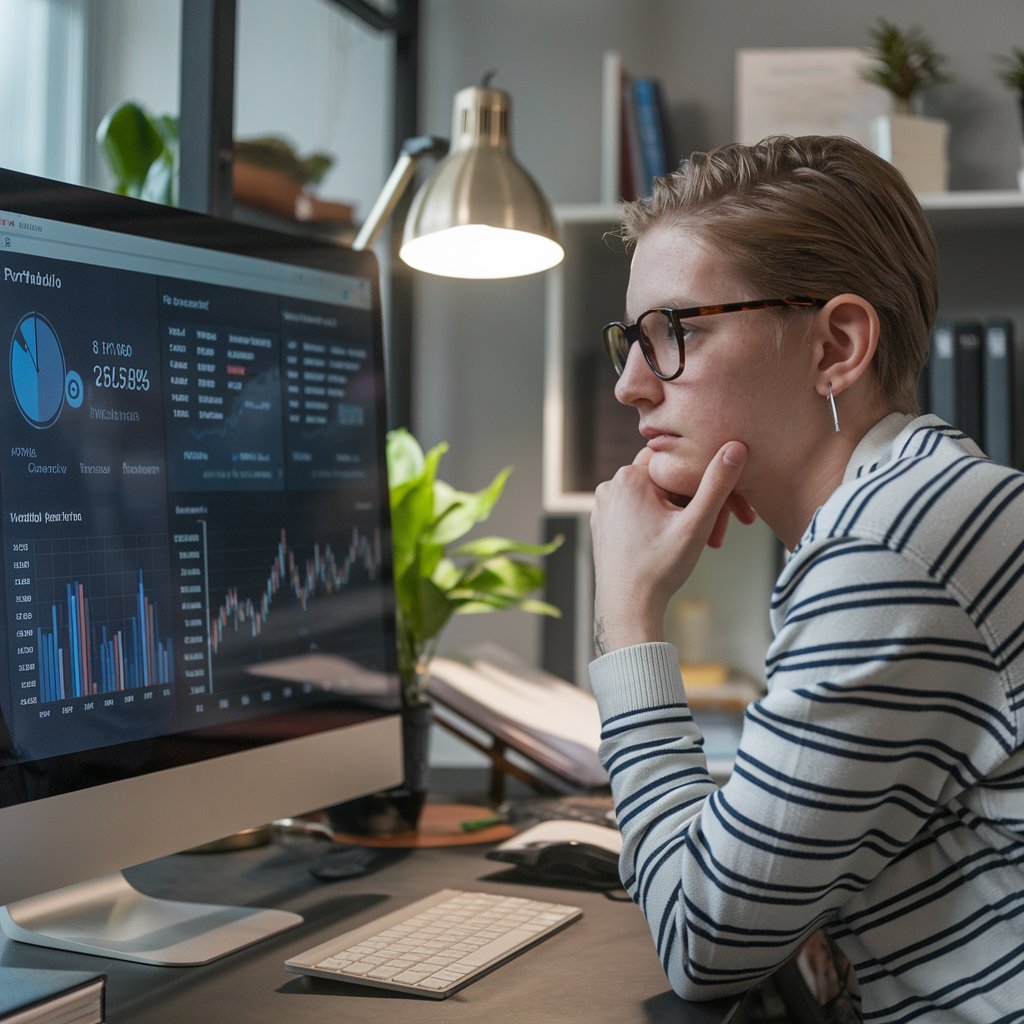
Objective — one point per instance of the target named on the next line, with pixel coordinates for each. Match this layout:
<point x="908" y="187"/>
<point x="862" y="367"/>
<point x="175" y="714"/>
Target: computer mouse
<point x="570" y="863"/>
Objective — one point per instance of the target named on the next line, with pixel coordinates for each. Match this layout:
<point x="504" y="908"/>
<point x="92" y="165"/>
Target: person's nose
<point x="637" y="381"/>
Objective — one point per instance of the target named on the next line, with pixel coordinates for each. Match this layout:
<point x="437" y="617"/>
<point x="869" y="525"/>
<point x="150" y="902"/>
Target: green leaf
<point x="432" y="583"/>
<point x="131" y="142"/>
<point x="486" y="603"/>
<point x="404" y="457"/>
<point x="488" y="547"/>
<point x="541" y="608"/>
<point x="435" y="609"/>
<point x="446" y="575"/>
<point x="505" y="576"/>
<point x="161" y="181"/>
<point x="409" y="519"/>
<point x="462" y="510"/>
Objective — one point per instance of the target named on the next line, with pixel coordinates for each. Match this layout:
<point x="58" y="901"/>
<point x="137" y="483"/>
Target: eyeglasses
<point x="661" y="332"/>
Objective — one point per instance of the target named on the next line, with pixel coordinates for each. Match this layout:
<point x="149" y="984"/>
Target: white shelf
<point x="987" y="209"/>
<point x="992" y="199"/>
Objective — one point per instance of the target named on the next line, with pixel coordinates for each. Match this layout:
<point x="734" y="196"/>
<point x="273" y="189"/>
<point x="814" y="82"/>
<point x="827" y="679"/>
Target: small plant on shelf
<point x="905" y="63"/>
<point x="1010" y="71"/>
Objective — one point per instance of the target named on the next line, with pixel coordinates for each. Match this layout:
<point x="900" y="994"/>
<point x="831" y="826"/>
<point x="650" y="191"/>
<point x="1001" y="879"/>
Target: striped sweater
<point x="878" y="789"/>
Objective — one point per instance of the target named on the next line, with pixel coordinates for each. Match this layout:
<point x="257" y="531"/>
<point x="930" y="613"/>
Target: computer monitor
<point x="197" y="614"/>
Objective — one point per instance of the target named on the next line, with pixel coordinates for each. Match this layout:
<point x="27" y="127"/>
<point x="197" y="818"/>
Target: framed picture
<point x="805" y="91"/>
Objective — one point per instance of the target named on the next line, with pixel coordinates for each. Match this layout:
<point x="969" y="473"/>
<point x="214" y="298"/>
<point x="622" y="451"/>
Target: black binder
<point x="969" y="394"/>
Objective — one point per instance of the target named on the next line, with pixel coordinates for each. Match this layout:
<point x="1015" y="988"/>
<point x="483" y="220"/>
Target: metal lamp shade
<point x="480" y="214"/>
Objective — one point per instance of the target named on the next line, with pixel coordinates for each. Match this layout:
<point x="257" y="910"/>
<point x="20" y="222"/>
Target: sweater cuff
<point x="636" y="678"/>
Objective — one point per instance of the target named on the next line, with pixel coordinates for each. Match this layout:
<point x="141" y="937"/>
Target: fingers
<point x="740" y="509"/>
<point x="712" y="500"/>
<point x="718" y="530"/>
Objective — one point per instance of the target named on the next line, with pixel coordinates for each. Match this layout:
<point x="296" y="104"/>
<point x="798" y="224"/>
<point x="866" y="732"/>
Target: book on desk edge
<point x="29" y="995"/>
<point x="556" y="724"/>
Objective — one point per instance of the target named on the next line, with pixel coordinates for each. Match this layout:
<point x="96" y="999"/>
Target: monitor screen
<point x="193" y="517"/>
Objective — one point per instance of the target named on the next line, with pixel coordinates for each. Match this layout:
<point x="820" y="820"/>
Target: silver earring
<point x="832" y="405"/>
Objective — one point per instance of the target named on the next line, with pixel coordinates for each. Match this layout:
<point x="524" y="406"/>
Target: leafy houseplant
<point x="905" y="63"/>
<point x="142" y="152"/>
<point x="435" y="577"/>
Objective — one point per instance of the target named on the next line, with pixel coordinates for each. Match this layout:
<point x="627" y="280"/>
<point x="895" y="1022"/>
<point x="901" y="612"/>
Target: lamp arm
<point x="413" y="151"/>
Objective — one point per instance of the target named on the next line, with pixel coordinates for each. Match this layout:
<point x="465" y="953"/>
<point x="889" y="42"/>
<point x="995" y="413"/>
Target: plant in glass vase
<point x="435" y="577"/>
<point x="438" y="573"/>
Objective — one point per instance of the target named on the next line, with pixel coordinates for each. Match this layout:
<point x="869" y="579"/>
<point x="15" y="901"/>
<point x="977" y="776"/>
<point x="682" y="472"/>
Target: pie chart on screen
<point x="37" y="370"/>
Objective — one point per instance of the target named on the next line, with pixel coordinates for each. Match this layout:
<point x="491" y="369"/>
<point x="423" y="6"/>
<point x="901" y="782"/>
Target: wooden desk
<point x="603" y="968"/>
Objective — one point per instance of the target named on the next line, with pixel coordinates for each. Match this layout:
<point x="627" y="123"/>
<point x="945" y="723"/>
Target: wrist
<point x="612" y="633"/>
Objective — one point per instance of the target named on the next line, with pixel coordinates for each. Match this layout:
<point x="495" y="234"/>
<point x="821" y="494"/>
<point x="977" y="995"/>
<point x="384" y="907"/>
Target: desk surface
<point x="602" y="968"/>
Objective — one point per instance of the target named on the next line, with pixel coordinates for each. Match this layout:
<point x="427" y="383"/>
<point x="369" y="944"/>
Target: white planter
<point x="916" y="145"/>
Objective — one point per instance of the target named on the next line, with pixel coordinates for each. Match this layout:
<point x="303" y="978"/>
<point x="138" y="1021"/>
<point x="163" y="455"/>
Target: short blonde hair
<point x="815" y="215"/>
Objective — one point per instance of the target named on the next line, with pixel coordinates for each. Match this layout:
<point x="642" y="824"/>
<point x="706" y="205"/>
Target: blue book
<point x="650" y="121"/>
<point x="37" y="995"/>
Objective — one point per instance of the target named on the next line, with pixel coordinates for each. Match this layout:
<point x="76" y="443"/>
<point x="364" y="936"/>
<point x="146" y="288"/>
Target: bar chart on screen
<point x="90" y="622"/>
<point x="99" y="615"/>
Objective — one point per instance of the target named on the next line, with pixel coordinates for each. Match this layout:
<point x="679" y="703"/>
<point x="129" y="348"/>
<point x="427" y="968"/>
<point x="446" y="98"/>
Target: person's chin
<point x="675" y="474"/>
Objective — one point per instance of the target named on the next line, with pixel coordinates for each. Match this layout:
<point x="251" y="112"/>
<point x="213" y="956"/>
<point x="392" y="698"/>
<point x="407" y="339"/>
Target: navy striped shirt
<point x="878" y="790"/>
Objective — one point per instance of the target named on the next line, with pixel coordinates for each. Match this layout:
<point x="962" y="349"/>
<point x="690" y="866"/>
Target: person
<point x="779" y="310"/>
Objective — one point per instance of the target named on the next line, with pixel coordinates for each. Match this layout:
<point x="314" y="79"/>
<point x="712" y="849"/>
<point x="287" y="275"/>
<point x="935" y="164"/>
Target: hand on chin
<point x="672" y="474"/>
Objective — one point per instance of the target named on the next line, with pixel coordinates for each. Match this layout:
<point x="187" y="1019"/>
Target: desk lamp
<point x="479" y="214"/>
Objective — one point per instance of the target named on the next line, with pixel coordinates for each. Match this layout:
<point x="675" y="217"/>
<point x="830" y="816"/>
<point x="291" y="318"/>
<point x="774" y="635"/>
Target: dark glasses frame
<point x="618" y="337"/>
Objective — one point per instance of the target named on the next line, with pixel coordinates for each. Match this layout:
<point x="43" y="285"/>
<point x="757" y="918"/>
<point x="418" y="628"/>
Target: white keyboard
<point x="436" y="945"/>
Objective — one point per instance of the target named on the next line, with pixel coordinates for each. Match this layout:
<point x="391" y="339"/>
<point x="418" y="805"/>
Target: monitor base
<point x="108" y="917"/>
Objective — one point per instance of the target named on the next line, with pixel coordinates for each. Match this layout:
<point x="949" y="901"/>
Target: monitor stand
<point x="108" y="917"/>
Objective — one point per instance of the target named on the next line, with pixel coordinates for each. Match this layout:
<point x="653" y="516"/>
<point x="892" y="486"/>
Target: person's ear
<point x="846" y="338"/>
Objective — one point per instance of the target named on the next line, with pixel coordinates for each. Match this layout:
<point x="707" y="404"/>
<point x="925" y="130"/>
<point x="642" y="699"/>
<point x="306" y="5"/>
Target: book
<point x="37" y="996"/>
<point x="969" y="389"/>
<point x="611" y="128"/>
<point x="555" y="724"/>
<point x="942" y="373"/>
<point x="1000" y="389"/>
<point x="546" y="719"/>
<point x="632" y="183"/>
<point x="650" y="126"/>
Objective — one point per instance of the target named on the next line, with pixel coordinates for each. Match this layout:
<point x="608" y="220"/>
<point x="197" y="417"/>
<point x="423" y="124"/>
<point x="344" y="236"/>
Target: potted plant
<point x="438" y="573"/>
<point x="906" y="64"/>
<point x="142" y="152"/>
<point x="1010" y="70"/>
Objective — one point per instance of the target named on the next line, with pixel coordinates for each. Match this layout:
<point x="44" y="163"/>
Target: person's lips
<point x="658" y="440"/>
